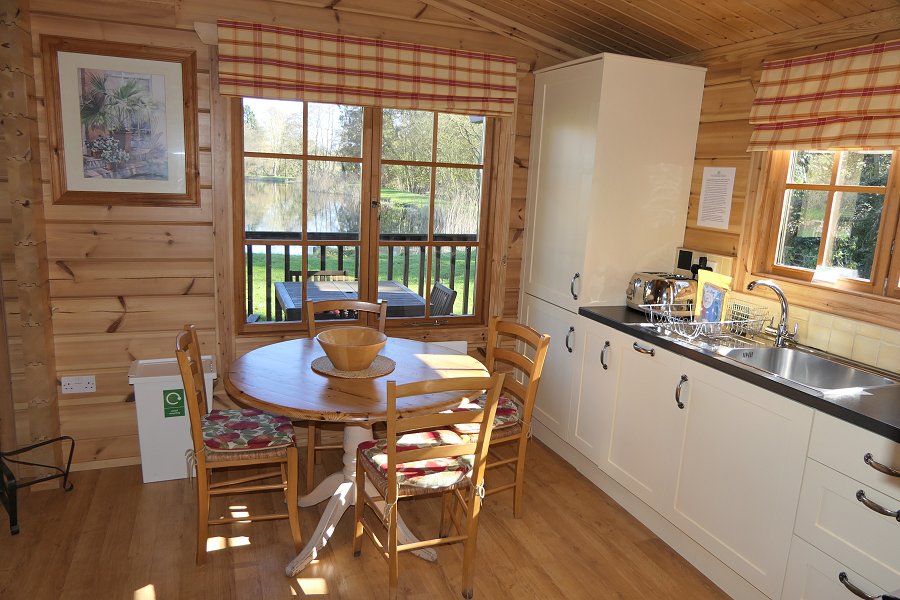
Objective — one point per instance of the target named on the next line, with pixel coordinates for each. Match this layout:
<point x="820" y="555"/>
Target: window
<point x="343" y="201"/>
<point x="834" y="219"/>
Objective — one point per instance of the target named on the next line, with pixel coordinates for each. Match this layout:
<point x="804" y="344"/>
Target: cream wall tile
<point x="842" y="324"/>
<point x="840" y="343"/>
<point x="870" y="331"/>
<point x="889" y="358"/>
<point x="817" y="337"/>
<point x="820" y="320"/>
<point x="891" y="336"/>
<point x="800" y="313"/>
<point x="865" y="350"/>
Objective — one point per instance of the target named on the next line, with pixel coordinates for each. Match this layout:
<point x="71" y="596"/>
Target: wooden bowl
<point x="352" y="348"/>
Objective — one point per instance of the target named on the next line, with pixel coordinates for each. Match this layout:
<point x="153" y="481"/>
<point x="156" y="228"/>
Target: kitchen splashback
<point x="870" y="344"/>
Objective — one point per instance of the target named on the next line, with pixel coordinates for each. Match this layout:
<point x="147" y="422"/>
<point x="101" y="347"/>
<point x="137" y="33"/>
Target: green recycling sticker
<point x="173" y="403"/>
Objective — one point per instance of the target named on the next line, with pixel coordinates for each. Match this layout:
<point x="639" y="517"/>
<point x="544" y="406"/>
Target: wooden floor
<point x="114" y="538"/>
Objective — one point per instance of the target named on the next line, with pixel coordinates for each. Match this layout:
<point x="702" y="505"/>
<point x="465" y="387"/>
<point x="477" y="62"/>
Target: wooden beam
<point x="222" y="220"/>
<point x="20" y="133"/>
<point x="508" y="28"/>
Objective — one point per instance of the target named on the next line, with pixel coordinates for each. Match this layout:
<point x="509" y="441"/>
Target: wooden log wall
<point x="123" y="280"/>
<point x="38" y="401"/>
<point x="731" y="81"/>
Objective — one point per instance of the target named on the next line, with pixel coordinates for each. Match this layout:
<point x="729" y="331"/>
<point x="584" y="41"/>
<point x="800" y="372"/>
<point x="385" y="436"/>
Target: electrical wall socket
<point x="78" y="384"/>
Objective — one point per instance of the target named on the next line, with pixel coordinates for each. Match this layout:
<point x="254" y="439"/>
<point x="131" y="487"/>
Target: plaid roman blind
<point x="843" y="99"/>
<point x="268" y="61"/>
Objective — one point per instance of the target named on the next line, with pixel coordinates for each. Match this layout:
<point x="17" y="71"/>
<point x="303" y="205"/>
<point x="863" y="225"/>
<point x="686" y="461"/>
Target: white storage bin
<point x="164" y="425"/>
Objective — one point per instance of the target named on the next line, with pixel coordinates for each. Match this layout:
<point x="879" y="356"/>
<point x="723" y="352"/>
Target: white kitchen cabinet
<point x="647" y="424"/>
<point x="833" y="519"/>
<point x="612" y="149"/>
<point x="562" y="367"/>
<point x="813" y="575"/>
<point x="843" y="498"/>
<point x="739" y="474"/>
<point x="593" y="409"/>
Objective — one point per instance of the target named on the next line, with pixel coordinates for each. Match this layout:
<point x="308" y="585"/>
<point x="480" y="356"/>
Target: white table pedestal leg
<point x="341" y="489"/>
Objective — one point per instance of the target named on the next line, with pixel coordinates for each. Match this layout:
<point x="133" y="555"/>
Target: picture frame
<point x="122" y="123"/>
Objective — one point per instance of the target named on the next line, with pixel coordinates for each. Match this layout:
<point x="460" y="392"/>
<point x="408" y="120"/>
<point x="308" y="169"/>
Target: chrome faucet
<point x="781" y="334"/>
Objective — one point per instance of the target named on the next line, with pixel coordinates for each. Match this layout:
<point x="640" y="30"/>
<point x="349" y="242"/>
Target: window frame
<point x="877" y="304"/>
<point x="887" y="227"/>
<point x="368" y="242"/>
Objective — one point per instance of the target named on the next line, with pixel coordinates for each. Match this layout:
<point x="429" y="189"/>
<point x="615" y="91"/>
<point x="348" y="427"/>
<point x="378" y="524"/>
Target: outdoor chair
<point x="442" y="299"/>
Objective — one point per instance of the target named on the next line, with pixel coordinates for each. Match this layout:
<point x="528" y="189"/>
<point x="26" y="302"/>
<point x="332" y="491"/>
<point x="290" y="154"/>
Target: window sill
<point x="855" y="305"/>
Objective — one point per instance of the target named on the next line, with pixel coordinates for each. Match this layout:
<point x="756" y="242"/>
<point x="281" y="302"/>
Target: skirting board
<point x="720" y="574"/>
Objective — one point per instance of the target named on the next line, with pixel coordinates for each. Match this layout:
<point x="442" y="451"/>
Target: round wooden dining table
<point x="279" y="378"/>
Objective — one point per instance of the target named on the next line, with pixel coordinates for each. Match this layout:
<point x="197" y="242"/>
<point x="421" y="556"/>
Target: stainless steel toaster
<point x="661" y="288"/>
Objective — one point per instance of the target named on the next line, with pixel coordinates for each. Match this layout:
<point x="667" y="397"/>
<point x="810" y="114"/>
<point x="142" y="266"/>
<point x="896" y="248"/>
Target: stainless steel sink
<point x="806" y="368"/>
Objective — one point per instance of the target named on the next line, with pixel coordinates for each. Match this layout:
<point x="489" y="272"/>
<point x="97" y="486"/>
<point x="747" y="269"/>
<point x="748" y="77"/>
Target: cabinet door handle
<point x="572" y="286"/>
<point x="869" y="460"/>
<point x="603" y="355"/>
<point x="571" y="331"/>
<point x="861" y="496"/>
<point x="678" y="401"/>
<point x="853" y="589"/>
<point x="642" y="350"/>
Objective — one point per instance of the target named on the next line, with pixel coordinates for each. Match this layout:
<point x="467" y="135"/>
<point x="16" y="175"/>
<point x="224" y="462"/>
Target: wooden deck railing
<point x="454" y="265"/>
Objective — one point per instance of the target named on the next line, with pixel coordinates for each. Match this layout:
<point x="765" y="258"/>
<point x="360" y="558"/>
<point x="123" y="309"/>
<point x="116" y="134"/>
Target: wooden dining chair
<point x="521" y="349"/>
<point x="224" y="439"/>
<point x="314" y="441"/>
<point x="442" y="299"/>
<point x="433" y="459"/>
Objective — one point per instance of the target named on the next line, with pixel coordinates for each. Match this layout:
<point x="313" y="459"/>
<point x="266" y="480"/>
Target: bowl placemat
<point x="382" y="365"/>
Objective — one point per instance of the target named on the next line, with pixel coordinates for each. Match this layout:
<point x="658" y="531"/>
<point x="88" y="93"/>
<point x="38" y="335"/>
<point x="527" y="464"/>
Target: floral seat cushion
<point x="509" y="413"/>
<point x="419" y="476"/>
<point x="245" y="429"/>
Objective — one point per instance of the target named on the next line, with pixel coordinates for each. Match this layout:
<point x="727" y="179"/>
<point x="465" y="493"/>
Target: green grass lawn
<point x="331" y="262"/>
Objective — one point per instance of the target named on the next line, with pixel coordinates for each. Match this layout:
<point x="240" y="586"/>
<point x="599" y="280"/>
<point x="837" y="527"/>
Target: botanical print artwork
<point x="123" y="124"/>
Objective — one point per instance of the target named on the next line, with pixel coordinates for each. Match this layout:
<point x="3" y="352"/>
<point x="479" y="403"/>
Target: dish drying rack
<point x="742" y="320"/>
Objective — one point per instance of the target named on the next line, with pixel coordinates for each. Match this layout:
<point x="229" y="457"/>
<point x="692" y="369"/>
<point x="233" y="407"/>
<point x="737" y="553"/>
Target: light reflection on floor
<point x="219" y="542"/>
<point x="148" y="592"/>
<point x="308" y="586"/>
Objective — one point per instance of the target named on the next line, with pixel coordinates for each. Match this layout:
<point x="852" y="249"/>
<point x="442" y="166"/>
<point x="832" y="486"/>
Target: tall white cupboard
<point x="612" y="154"/>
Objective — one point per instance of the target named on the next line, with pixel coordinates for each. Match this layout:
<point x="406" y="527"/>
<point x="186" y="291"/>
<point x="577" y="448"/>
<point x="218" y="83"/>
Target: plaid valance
<point x="843" y="99"/>
<point x="268" y="61"/>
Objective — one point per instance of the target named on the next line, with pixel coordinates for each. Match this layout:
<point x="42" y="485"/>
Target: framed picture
<point x="122" y="123"/>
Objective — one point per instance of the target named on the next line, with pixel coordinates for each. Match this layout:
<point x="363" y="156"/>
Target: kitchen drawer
<point x="813" y="575"/>
<point x="843" y="447"/>
<point x="831" y="518"/>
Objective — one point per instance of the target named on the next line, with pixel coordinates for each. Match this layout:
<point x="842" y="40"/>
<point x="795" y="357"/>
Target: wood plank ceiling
<point x="659" y="29"/>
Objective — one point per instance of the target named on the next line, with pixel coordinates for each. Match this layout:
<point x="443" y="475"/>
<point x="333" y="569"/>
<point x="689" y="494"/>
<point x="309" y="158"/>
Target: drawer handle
<point x="869" y="460"/>
<point x="678" y="401"/>
<point x="603" y="355"/>
<point x="572" y="286"/>
<point x="853" y="589"/>
<point x="642" y="350"/>
<point x="568" y="335"/>
<point x="861" y="496"/>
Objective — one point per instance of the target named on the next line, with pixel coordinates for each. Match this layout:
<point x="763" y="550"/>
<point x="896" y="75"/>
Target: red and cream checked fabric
<point x="268" y="61"/>
<point x="842" y="99"/>
<point x="420" y="476"/>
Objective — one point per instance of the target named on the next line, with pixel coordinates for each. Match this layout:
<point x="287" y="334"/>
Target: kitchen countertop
<point x="874" y="409"/>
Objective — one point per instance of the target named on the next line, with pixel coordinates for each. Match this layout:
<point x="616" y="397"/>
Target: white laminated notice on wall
<point x="715" y="197"/>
